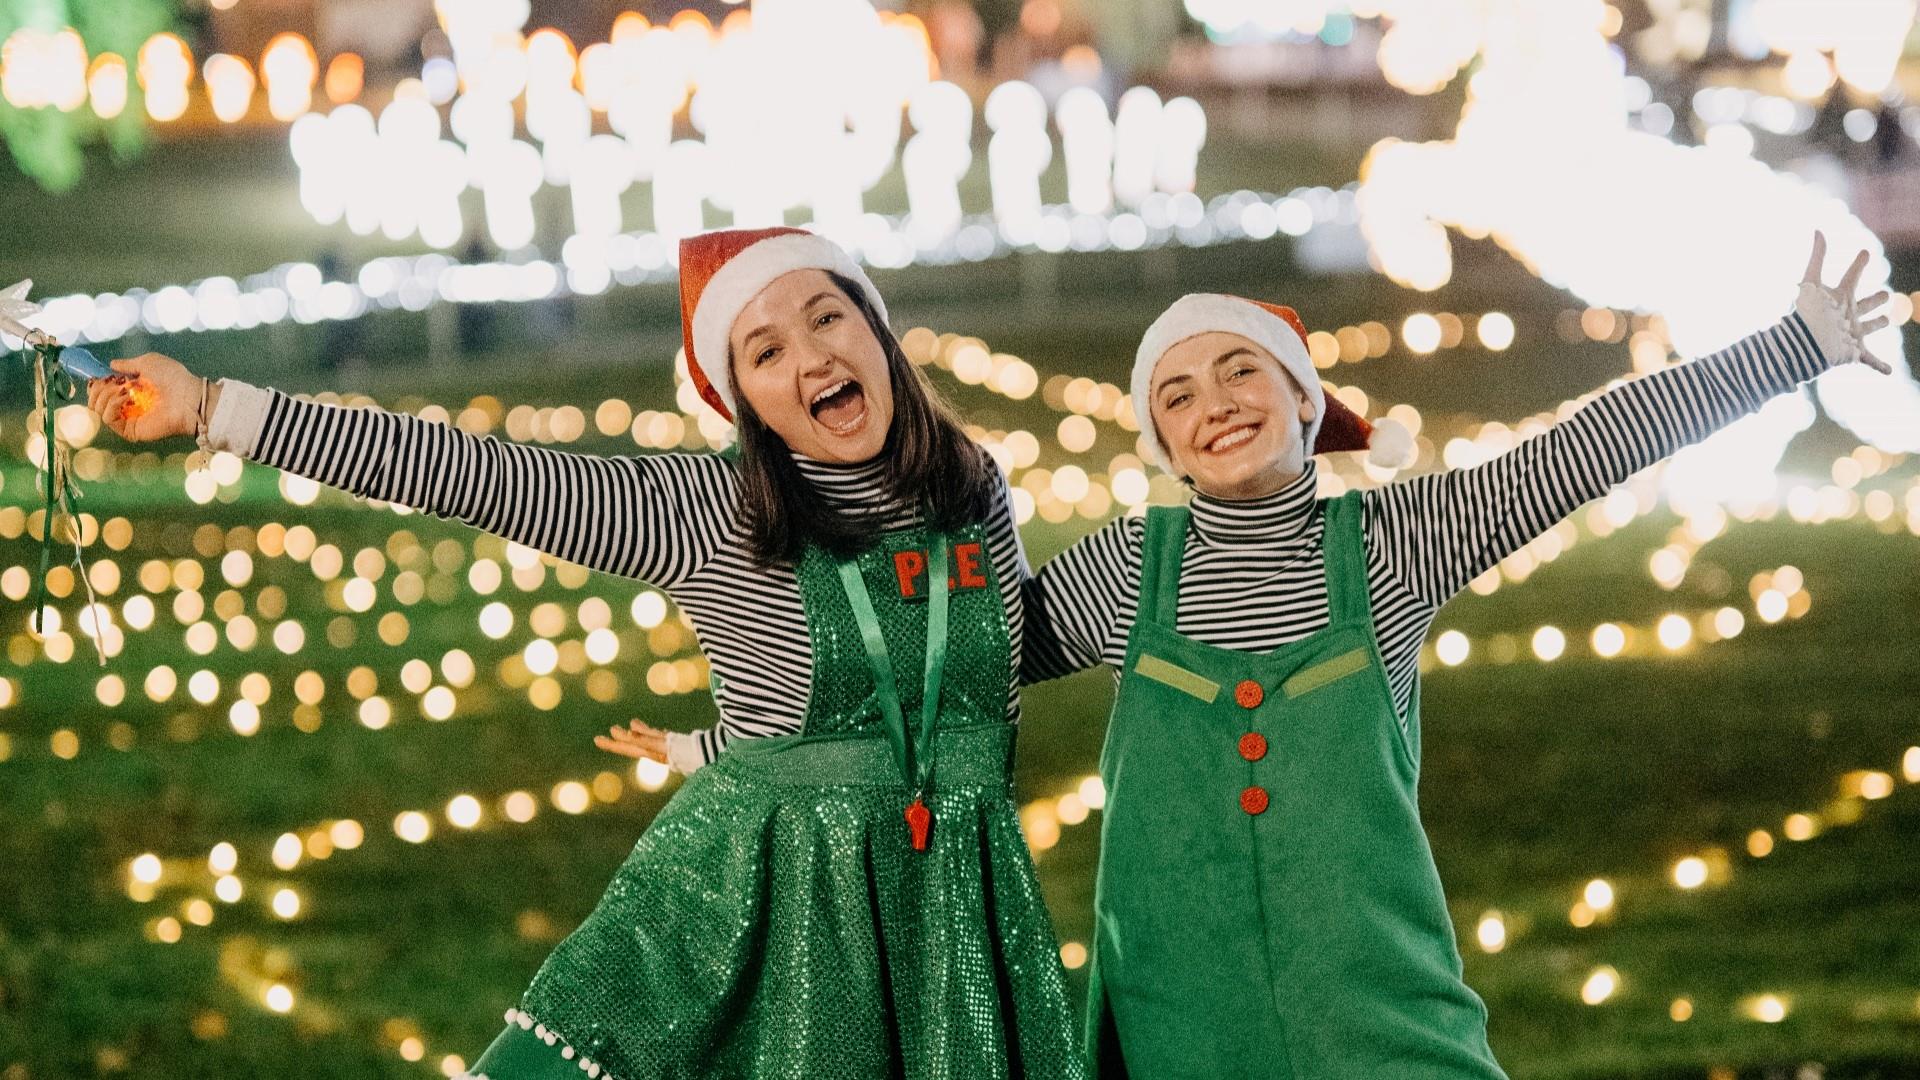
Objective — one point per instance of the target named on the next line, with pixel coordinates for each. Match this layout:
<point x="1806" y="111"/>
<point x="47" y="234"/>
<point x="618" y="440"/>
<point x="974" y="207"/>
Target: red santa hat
<point x="720" y="274"/>
<point x="1278" y="330"/>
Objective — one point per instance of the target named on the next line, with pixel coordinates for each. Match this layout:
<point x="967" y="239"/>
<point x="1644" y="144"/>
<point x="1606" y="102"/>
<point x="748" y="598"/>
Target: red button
<point x="1249" y="694"/>
<point x="1254" y="800"/>
<point x="1253" y="746"/>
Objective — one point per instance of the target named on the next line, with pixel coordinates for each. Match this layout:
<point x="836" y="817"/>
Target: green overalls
<point x="1267" y="905"/>
<point x="783" y="916"/>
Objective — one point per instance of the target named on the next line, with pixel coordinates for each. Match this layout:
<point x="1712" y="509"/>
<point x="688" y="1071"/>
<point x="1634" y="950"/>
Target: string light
<point x="1491" y="932"/>
<point x="1690" y="872"/>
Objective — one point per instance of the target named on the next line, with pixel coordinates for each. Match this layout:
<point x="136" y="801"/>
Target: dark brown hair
<point x="932" y="463"/>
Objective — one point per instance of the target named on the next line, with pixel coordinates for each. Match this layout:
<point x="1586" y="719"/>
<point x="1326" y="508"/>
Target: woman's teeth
<point x="1231" y="439"/>
<point x="828" y="392"/>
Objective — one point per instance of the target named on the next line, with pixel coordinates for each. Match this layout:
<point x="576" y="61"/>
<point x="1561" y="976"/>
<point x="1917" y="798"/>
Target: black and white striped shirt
<point x="1253" y="576"/>
<point x="672" y="520"/>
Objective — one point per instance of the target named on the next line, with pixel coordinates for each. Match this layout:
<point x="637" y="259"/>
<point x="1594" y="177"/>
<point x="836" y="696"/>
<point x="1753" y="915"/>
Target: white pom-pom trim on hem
<point x="525" y="1022"/>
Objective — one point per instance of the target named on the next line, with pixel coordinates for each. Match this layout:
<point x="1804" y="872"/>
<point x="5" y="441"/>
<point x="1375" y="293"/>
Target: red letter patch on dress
<point x="908" y="566"/>
<point x="966" y="560"/>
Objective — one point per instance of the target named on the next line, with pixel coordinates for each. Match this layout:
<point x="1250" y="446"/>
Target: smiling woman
<point x="806" y="361"/>
<point x="824" y="377"/>
<point x="784" y="329"/>
<point x="1229" y="453"/>
<point x="845" y="891"/>
<point x="1273" y="638"/>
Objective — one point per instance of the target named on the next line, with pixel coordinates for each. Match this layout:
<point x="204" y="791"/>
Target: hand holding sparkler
<point x="152" y="397"/>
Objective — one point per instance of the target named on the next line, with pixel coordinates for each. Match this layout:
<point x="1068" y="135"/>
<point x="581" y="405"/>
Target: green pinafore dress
<point x="856" y="901"/>
<point x="1267" y="905"/>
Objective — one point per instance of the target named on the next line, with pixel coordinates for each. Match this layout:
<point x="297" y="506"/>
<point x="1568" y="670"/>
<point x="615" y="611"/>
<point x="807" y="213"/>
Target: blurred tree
<point x="46" y="141"/>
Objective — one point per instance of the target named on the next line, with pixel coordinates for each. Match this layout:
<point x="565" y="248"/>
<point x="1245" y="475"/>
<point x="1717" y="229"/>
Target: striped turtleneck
<point x="859" y="487"/>
<point x="1269" y="519"/>
<point x="1253" y="575"/>
<point x="672" y="520"/>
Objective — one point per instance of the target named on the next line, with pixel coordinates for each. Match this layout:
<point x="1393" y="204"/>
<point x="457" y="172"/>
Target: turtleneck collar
<point x="1282" y="516"/>
<point x="857" y="485"/>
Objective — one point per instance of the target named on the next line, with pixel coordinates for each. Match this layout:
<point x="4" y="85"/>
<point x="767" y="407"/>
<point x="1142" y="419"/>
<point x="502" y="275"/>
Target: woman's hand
<point x="1834" y="314"/>
<point x="149" y="397"/>
<point x="636" y="740"/>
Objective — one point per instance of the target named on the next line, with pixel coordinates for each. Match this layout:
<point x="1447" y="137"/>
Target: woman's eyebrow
<point x="754" y="333"/>
<point x="825" y="294"/>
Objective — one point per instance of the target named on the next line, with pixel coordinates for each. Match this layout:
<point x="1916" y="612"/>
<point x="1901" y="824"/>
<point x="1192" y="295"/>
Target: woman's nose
<point x="813" y="359"/>
<point x="1219" y="403"/>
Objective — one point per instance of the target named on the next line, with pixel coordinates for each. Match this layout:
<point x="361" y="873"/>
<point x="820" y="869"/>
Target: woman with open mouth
<point x="1267" y="905"/>
<point x="845" y="892"/>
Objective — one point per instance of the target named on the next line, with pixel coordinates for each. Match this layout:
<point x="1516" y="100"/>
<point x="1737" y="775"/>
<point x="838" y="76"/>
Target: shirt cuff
<point x="683" y="753"/>
<point x="1818" y="311"/>
<point x="238" y="418"/>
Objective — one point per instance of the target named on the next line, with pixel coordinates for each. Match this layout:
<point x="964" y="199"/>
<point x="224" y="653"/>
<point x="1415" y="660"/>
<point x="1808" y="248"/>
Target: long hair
<point x="932" y="464"/>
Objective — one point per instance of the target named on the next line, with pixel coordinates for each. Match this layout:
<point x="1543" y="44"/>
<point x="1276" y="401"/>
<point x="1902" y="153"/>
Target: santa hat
<point x="1278" y="330"/>
<point x="720" y="274"/>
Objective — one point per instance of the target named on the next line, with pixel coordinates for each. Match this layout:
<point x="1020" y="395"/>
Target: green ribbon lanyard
<point x="916" y="762"/>
<point x="52" y="491"/>
<point x="48" y="375"/>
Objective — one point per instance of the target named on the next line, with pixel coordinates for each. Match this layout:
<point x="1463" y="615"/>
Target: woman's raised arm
<point x="1439" y="532"/>
<point x="658" y="518"/>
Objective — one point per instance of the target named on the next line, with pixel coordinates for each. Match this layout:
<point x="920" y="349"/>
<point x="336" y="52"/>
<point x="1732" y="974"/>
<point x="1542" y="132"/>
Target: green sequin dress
<point x="775" y="919"/>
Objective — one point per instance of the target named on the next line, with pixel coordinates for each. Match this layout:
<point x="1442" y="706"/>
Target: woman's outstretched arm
<point x="1439" y="532"/>
<point x="657" y="518"/>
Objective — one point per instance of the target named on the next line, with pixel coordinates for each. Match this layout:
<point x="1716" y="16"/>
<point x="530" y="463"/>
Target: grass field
<point x="1538" y="777"/>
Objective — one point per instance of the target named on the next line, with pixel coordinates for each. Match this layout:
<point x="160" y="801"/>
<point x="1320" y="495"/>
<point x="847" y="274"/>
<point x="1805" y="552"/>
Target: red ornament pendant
<point x="919" y="823"/>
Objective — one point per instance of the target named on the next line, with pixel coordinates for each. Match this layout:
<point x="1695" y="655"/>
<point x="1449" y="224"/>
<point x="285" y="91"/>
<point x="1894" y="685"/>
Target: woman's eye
<point x="765" y="356"/>
<point x="1177" y="400"/>
<point x="1239" y="372"/>
<point x="824" y="320"/>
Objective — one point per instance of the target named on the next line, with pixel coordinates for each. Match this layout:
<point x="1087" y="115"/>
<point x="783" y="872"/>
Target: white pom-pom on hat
<point x="1391" y="445"/>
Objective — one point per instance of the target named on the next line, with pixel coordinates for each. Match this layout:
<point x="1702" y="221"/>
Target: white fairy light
<point x="1136" y="141"/>
<point x="605" y="171"/>
<point x="679" y="190"/>
<point x="1087" y="141"/>
<point x="512" y="171"/>
<point x="1183" y="132"/>
<point x="936" y="158"/>
<point x="1016" y="156"/>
